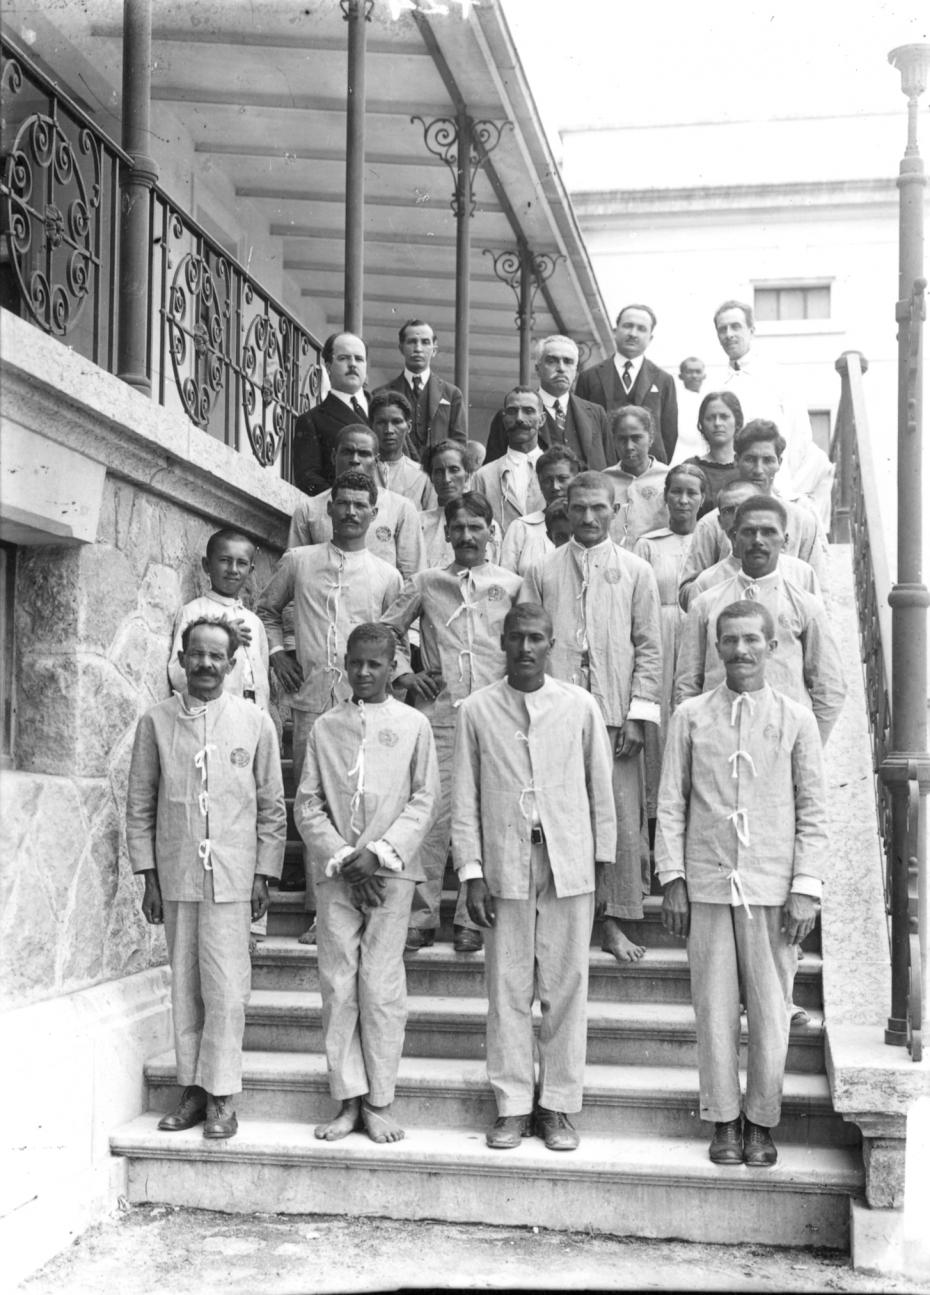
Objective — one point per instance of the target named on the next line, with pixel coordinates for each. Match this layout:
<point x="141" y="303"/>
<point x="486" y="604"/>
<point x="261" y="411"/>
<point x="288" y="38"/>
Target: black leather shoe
<point x="190" y="1110"/>
<point x="726" y="1147"/>
<point x="507" y="1131"/>
<point x="417" y="939"/>
<point x="556" y="1130"/>
<point x="465" y="939"/>
<point x="759" y="1150"/>
<point x="221" y="1119"/>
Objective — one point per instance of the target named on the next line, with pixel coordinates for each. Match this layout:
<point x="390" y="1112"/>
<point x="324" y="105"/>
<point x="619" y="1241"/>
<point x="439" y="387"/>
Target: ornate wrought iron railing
<point x="219" y="347"/>
<point x="238" y="362"/>
<point x="59" y="212"/>
<point x="857" y="520"/>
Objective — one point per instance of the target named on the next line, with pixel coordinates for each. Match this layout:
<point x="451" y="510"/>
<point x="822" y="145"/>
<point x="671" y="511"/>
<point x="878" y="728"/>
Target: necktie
<point x="417" y="384"/>
<point x="358" y="410"/>
<point x="735" y="364"/>
<point x="627" y="378"/>
<point x="558" y="413"/>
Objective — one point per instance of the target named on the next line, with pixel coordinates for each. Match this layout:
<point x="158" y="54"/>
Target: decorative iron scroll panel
<point x="242" y="367"/>
<point x="219" y="347"/>
<point x="59" y="193"/>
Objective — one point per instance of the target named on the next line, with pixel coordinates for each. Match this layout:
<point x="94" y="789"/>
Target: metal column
<point x="356" y="13"/>
<point x="136" y="185"/>
<point x="907" y="768"/>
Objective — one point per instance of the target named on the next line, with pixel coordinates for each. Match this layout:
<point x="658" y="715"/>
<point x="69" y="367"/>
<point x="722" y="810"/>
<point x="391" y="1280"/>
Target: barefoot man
<point x="367" y="798"/>
<point x="604" y="604"/>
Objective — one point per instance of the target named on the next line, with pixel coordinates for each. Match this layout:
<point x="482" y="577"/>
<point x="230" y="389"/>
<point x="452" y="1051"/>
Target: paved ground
<point x="154" y="1250"/>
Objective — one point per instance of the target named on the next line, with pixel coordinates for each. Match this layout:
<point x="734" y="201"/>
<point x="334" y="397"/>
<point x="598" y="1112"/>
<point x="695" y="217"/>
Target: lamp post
<point x="907" y="768"/>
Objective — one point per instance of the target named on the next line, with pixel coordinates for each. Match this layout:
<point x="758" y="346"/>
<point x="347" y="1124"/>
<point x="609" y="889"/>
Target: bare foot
<point x="309" y="936"/>
<point x="346" y="1122"/>
<point x="380" y="1124"/>
<point x="615" y="942"/>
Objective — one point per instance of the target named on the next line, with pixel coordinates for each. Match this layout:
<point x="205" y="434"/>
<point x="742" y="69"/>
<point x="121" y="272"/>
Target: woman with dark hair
<point x="666" y="550"/>
<point x="446" y="465"/>
<point x="720" y="417"/>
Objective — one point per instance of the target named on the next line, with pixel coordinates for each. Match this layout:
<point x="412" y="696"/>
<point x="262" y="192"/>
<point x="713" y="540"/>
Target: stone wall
<point x="92" y="634"/>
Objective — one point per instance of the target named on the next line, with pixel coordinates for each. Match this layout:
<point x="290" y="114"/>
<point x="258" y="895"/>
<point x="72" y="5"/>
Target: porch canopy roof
<point x="261" y="89"/>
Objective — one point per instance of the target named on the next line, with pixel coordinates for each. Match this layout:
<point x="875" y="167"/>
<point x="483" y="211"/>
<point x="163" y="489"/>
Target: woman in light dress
<point x="446" y="466"/>
<point x="665" y="550"/>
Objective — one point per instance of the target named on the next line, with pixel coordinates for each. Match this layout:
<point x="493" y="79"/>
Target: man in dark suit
<point x="316" y="432"/>
<point x="582" y="426"/>
<point x="438" y="407"/>
<point x="628" y="378"/>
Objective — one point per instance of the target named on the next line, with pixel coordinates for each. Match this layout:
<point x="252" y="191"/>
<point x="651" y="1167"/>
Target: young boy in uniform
<point x="228" y="563"/>
<point x="367" y="797"/>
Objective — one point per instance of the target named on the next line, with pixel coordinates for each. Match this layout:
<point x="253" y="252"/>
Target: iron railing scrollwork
<point x="857" y="520"/>
<point x="242" y="367"/>
<point x="59" y="190"/>
<point x="219" y="347"/>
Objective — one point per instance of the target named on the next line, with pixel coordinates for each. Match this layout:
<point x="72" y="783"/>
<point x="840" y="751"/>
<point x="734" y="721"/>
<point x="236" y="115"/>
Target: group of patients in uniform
<point x="595" y="664"/>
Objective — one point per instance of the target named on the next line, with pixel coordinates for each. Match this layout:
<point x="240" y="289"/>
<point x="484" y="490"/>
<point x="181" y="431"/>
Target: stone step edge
<point x="661" y="962"/>
<point x="452" y="1012"/>
<point x="618" y="1085"/>
<point x="604" y="1158"/>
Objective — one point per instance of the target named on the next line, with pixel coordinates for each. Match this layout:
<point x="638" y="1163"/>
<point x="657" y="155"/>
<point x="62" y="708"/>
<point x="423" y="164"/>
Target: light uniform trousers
<point x="538" y="946"/>
<point x="304" y="721"/>
<point x="424" y="915"/>
<point x="211" y="978"/>
<point x="727" y="952"/>
<point x="364" y="987"/>
<point x="627" y="883"/>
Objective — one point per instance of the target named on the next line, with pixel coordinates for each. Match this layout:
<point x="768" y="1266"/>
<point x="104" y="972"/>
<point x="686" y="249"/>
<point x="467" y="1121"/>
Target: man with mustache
<point x="740" y="853"/>
<point x="345" y="358"/>
<point x="510" y="482"/>
<point x="461" y="609"/>
<point x="206" y="826"/>
<point x="334" y="584"/>
<point x="805" y="661"/>
<point x="533" y="828"/>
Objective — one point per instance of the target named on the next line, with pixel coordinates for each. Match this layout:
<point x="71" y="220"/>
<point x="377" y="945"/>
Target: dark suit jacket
<point x="601" y="384"/>
<point x="445" y="414"/>
<point x="587" y="432"/>
<point x="315" y="435"/>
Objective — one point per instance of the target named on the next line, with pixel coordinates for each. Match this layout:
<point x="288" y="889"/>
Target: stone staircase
<point x="642" y="1166"/>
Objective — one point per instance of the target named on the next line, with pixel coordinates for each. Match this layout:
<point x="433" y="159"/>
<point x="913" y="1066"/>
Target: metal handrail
<point x="857" y="520"/>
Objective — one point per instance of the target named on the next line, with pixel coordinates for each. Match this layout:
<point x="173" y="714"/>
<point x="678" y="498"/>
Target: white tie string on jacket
<point x="333" y="599"/>
<point x="529" y="790"/>
<point x="357" y="771"/>
<point x="467" y="608"/>
<point x="740" y="817"/>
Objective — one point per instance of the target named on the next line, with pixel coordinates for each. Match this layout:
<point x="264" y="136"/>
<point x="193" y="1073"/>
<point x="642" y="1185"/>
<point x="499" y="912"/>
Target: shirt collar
<point x="409" y="377"/>
<point x="549" y="401"/>
<point x="579" y="550"/>
<point x="223" y="599"/>
<point x="763" y="582"/>
<point x="635" y="365"/>
<point x="517" y="459"/>
<point x="347" y="398"/>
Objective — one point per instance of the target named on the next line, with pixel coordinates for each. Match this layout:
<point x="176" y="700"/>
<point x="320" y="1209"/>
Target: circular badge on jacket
<point x="387" y="737"/>
<point x="239" y="756"/>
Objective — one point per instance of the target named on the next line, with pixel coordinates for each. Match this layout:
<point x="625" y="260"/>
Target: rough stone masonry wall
<point x="93" y="628"/>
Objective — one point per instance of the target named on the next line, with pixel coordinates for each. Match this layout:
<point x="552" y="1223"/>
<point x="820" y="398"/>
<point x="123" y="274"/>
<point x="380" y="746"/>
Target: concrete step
<point x="661" y="975"/>
<point x="624" y="1186"/>
<point x="286" y="916"/>
<point x="648" y="1101"/>
<point x="639" y="1034"/>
